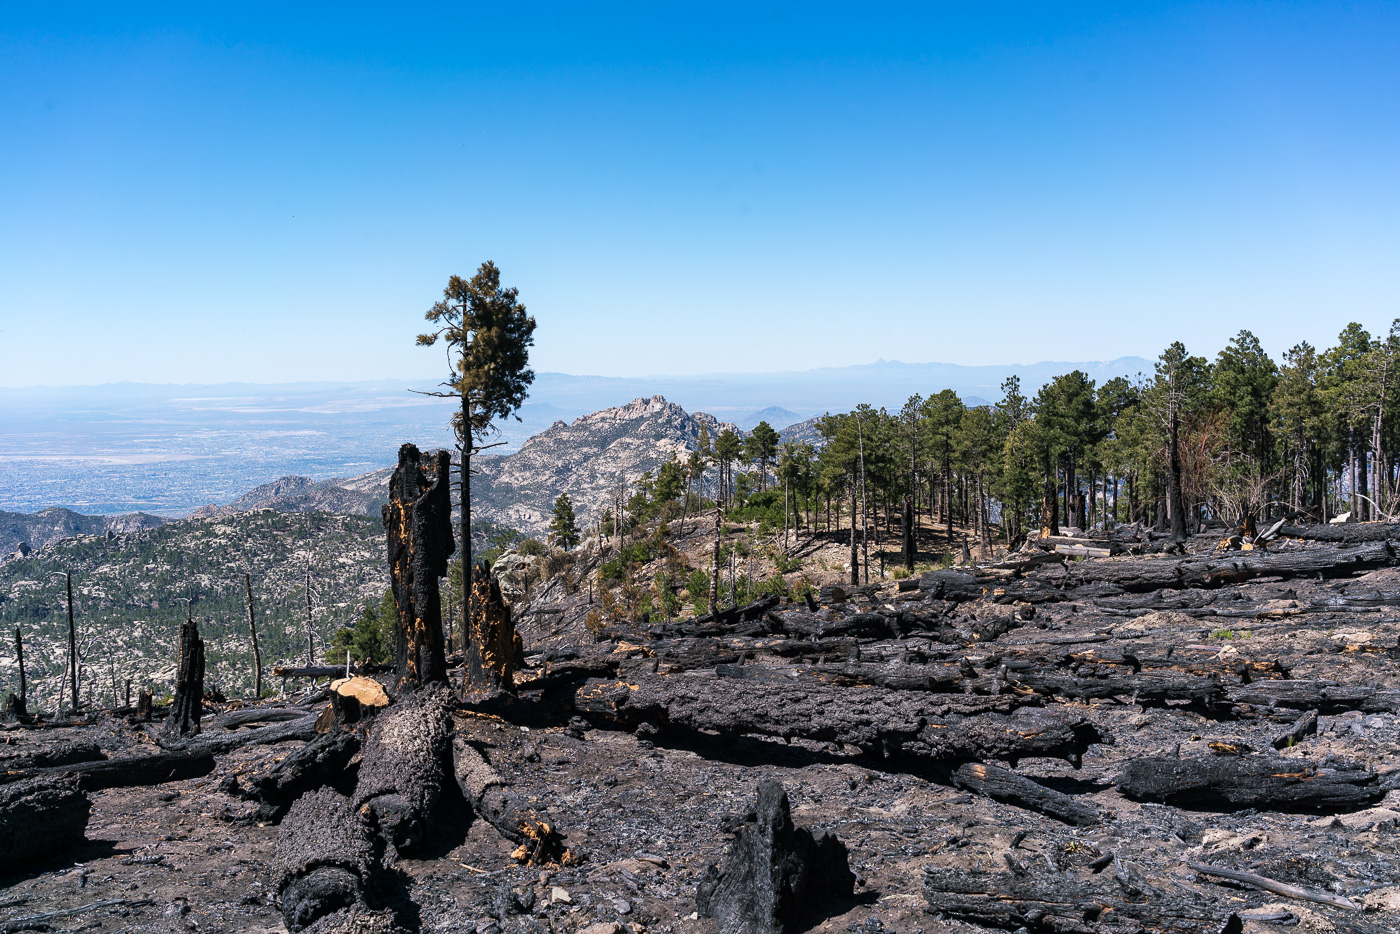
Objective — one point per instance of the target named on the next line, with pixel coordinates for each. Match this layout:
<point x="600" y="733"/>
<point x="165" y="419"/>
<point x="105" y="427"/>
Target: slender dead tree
<point x="72" y="641"/>
<point x="253" y="635"/>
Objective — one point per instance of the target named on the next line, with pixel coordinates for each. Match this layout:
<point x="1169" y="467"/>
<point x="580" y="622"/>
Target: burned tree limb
<point x="303" y="728"/>
<point x="1302" y="728"/>
<point x="510" y="814"/>
<point x="1346" y="533"/>
<point x="53" y="754"/>
<point x="1271" y="783"/>
<point x="247" y="715"/>
<point x="40" y="817"/>
<point x="888" y="723"/>
<point x="1040" y="901"/>
<point x="189" y="684"/>
<point x="402" y="772"/>
<point x="1006" y="786"/>
<point x="1276" y="887"/>
<point x="418" y="523"/>
<point x="126" y="771"/>
<point x="1147" y="688"/>
<point x="320" y="762"/>
<point x="1326" y="697"/>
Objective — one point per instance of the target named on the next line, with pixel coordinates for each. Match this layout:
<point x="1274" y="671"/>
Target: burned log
<point x="1303" y="727"/>
<point x="1326" y="697"/>
<point x="189" y="684"/>
<point x="1348" y="533"/>
<point x="418" y="523"/>
<point x="1006" y="786"/>
<point x="888" y="723"/>
<point x="776" y="878"/>
<point x="53" y="754"/>
<point x="1153" y="688"/>
<point x="509" y="813"/>
<point x="303" y="728"/>
<point x="1140" y="575"/>
<point x="125" y="771"/>
<point x="237" y="718"/>
<point x="1271" y="783"/>
<point x="320" y="762"/>
<point x="39" y="818"/>
<point x="1125" y="903"/>
<point x="494" y="649"/>
<point x="895" y="677"/>
<point x="327" y="859"/>
<point x="402" y="771"/>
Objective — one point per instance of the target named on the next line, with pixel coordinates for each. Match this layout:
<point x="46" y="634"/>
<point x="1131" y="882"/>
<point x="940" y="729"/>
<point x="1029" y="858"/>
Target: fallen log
<point x="303" y="729"/>
<point x="1326" y="697"/>
<point x="1147" y="688"/>
<point x="1347" y="533"/>
<point x="776" y="878"/>
<point x="887" y="723"/>
<point x="40" y="817"/>
<point x="1270" y="783"/>
<point x="66" y="752"/>
<point x="320" y="762"/>
<point x="126" y="771"/>
<point x="314" y="671"/>
<point x="509" y="813"/>
<point x="938" y="678"/>
<point x="1139" y="575"/>
<point x="402" y="770"/>
<point x="326" y="859"/>
<point x="236" y="718"/>
<point x="1006" y="786"/>
<point x="40" y="921"/>
<point x="1125" y="902"/>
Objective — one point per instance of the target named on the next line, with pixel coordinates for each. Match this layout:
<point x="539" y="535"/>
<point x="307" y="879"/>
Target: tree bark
<point x="185" y="710"/>
<point x="418" y="523"/>
<point x="39" y="818"/>
<point x="253" y="635"/>
<point x="72" y="642"/>
<point x="1272" y="783"/>
<point x="855" y="555"/>
<point x="493" y="646"/>
<point x="910" y="547"/>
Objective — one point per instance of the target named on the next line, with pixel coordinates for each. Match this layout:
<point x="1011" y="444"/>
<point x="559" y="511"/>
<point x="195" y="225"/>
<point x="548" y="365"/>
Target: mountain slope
<point x="37" y="529"/>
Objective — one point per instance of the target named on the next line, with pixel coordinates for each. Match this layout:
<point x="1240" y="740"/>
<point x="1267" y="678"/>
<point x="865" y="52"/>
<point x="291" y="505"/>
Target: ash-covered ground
<point x="1204" y="671"/>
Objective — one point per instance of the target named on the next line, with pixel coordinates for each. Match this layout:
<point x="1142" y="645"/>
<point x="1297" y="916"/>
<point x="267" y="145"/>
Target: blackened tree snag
<point x="776" y="878"/>
<point x="39" y="818"/>
<point x="72" y="643"/>
<point x="19" y="659"/>
<point x="493" y="645"/>
<point x="910" y="548"/>
<point x="189" y="683"/>
<point x="253" y="635"/>
<point x="418" y="523"/>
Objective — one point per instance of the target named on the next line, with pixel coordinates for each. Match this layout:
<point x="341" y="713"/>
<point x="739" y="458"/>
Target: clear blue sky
<point x="277" y="193"/>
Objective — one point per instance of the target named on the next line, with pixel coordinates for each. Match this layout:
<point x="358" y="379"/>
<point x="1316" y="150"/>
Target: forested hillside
<point x="131" y="592"/>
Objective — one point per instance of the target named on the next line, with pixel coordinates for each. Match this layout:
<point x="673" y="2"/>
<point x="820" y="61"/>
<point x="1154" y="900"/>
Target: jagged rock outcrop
<point x="589" y="459"/>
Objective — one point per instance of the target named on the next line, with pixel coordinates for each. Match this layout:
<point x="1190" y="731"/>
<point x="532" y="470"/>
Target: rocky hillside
<point x="37" y="529"/>
<point x="588" y="459"/>
<point x="131" y="591"/>
<point x="360" y="496"/>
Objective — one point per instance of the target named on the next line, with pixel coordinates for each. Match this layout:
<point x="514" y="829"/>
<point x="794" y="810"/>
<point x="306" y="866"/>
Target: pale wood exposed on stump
<point x="493" y="645"/>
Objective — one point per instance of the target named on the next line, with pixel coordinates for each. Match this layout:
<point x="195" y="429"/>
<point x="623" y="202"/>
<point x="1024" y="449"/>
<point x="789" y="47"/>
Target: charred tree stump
<point x="910" y="550"/>
<point x="511" y="815"/>
<point x="327" y="860"/>
<point x="19" y="660"/>
<point x="493" y="645"/>
<point x="319" y="763"/>
<point x="15" y="711"/>
<point x="1003" y="785"/>
<point x="402" y="772"/>
<point x="1270" y="783"/>
<point x="418" y="523"/>
<point x="39" y="818"/>
<point x="189" y="683"/>
<point x="776" y="878"/>
<point x="1068" y="902"/>
<point x="144" y="706"/>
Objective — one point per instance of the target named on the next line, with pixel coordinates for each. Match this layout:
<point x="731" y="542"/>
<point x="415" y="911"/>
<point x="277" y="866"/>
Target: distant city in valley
<point x="171" y="449"/>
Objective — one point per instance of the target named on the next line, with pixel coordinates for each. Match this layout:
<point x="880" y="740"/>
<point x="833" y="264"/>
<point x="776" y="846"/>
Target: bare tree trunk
<point x="909" y="545"/>
<point x="253" y="634"/>
<point x="982" y="519"/>
<point x="72" y="642"/>
<point x="310" y="638"/>
<point x="1174" y="500"/>
<point x="864" y="519"/>
<point x="855" y="555"/>
<point x="19" y="657"/>
<point x="714" y="572"/>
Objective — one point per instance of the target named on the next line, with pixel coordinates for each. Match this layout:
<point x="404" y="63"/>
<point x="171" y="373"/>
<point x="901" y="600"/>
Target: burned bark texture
<point x="1071" y="903"/>
<point x="327" y="860"/>
<point x="891" y="724"/>
<point x="493" y="800"/>
<point x="418" y="524"/>
<point x="494" y="647"/>
<point x="776" y="878"/>
<point x="188" y="704"/>
<point x="319" y="763"/>
<point x="126" y="772"/>
<point x="40" y="818"/>
<point x="1231" y="783"/>
<point x="1003" y="785"/>
<point x="402" y="771"/>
